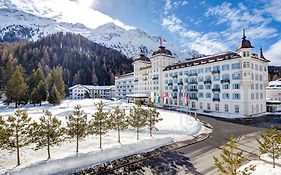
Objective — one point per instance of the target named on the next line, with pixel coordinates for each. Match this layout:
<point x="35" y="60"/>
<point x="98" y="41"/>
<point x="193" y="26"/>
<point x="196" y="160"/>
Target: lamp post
<point x="171" y="87"/>
<point x="180" y="100"/>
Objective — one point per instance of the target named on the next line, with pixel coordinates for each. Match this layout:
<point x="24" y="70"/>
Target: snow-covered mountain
<point x="26" y="20"/>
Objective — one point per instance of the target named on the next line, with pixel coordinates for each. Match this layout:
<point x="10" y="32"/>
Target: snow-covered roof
<point x="275" y="84"/>
<point x="92" y="87"/>
<point x="137" y="95"/>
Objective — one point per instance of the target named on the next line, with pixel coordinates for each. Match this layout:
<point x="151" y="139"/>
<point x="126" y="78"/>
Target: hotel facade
<point x="229" y="82"/>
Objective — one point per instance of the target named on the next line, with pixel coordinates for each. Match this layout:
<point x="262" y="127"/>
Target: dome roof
<point x="245" y="43"/>
<point x="162" y="50"/>
<point x="142" y="57"/>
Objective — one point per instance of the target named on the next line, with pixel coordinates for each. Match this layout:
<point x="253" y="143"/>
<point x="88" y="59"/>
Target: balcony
<point x="175" y="76"/>
<point x="207" y="82"/>
<point x="155" y="78"/>
<point x="225" y="81"/>
<point x="180" y="83"/>
<point x="193" y="82"/>
<point x="216" y="99"/>
<point x="216" y="90"/>
<point x="175" y="90"/>
<point x="145" y="79"/>
<point x="170" y="84"/>
<point x="193" y="90"/>
<point x="216" y="72"/>
<point x="136" y="80"/>
<point x="193" y="98"/>
<point x="175" y="96"/>
<point x="193" y="74"/>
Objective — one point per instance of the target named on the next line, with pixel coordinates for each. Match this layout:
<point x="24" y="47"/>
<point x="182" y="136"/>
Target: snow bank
<point x="269" y="159"/>
<point x="262" y="168"/>
<point x="92" y="158"/>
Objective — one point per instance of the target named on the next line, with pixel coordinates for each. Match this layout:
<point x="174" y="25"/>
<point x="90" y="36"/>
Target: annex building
<point x="232" y="82"/>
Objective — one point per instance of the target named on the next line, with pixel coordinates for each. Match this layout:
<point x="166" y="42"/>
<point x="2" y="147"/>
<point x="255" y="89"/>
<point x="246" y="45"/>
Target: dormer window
<point x="244" y="54"/>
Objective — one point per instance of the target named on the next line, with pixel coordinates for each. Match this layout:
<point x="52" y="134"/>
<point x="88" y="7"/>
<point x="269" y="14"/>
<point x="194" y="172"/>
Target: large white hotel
<point x="229" y="82"/>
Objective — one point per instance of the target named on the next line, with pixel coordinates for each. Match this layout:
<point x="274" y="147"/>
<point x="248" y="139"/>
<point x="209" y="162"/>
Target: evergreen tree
<point x="270" y="143"/>
<point x="3" y="133"/>
<point x="99" y="123"/>
<point x="137" y="118"/>
<point x="77" y="125"/>
<point x="118" y="121"/>
<point x="35" y="98"/>
<point x="54" y="96"/>
<point x="152" y="117"/>
<point x="57" y="80"/>
<point x="9" y="70"/>
<point x="47" y="132"/>
<point x="231" y="158"/>
<point x="17" y="88"/>
<point x="42" y="91"/>
<point x="17" y="128"/>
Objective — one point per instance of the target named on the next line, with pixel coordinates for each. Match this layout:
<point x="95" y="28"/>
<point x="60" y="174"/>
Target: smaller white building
<point x="273" y="96"/>
<point x="80" y="91"/>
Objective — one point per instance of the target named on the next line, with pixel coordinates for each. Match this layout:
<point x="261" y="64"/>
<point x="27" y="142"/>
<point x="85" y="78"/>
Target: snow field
<point x="174" y="127"/>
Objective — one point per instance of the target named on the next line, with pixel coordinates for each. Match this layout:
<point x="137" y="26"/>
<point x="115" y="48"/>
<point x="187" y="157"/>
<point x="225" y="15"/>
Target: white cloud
<point x="169" y="5"/>
<point x="274" y="53"/>
<point x="203" y="43"/>
<point x="273" y="8"/>
<point x="73" y="11"/>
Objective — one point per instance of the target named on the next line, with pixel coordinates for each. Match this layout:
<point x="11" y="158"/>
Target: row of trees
<point x="231" y="157"/>
<point x="21" y="89"/>
<point x="17" y="131"/>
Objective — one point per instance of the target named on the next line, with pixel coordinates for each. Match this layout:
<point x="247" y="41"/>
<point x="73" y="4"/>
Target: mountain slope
<point x="26" y="19"/>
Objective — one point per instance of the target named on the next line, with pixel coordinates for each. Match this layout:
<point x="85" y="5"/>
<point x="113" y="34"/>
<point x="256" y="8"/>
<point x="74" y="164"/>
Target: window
<point x="208" y="69"/>
<point x="235" y="86"/>
<point x="260" y="69"/>
<point x="235" y="66"/>
<point x="236" y="76"/>
<point x="208" y="95"/>
<point x="257" y="86"/>
<point x="261" y="96"/>
<point x="166" y="75"/>
<point x="244" y="64"/>
<point x="208" y="86"/>
<point x="257" y="95"/>
<point x="236" y="108"/>
<point x="201" y="105"/>
<point x="180" y="73"/>
<point x="216" y="68"/>
<point x="260" y="77"/>
<point x="226" y="108"/>
<point x="200" y="86"/>
<point x="225" y="86"/>
<point x="201" y="95"/>
<point x="193" y="104"/>
<point x="252" y="86"/>
<point x="261" y="87"/>
<point x="217" y="107"/>
<point x="225" y="67"/>
<point x="201" y="70"/>
<point x="225" y="77"/>
<point x="236" y="96"/>
<point x="225" y="96"/>
<point x="244" y="54"/>
<point x="208" y="106"/>
<point x="252" y="96"/>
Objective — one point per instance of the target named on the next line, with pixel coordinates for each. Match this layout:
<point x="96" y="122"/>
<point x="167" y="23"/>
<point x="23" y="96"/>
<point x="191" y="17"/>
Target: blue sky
<point x="208" y="26"/>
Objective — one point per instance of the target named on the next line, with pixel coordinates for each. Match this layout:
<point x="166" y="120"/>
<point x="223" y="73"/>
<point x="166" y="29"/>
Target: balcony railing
<point x="193" y="82"/>
<point x="193" y="90"/>
<point x="193" y="98"/>
<point x="155" y="78"/>
<point x="216" y="72"/>
<point x="216" y="99"/>
<point x="175" y="76"/>
<point x="193" y="74"/>
<point x="180" y="83"/>
<point x="216" y="90"/>
<point x="207" y="82"/>
<point x="136" y="80"/>
<point x="175" y="90"/>
<point x="175" y="96"/>
<point x="225" y="81"/>
<point x="170" y="84"/>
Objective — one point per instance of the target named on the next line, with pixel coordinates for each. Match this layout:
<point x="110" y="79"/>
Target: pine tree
<point x="17" y="88"/>
<point x="270" y="143"/>
<point x="57" y="80"/>
<point x="3" y="133"/>
<point x="35" y="98"/>
<point x="9" y="70"/>
<point x="118" y="121"/>
<point x="42" y="91"/>
<point x="47" y="132"/>
<point x="137" y="118"/>
<point x="77" y="125"/>
<point x="54" y="96"/>
<point x="17" y="128"/>
<point x="231" y="158"/>
<point x="100" y="123"/>
<point x="152" y="117"/>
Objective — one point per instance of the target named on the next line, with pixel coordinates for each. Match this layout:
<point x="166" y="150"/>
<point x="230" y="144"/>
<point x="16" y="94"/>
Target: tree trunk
<point x="100" y="133"/>
<point x="16" y="105"/>
<point x="150" y="127"/>
<point x="119" y="135"/>
<point x="77" y="144"/>
<point x="48" y="144"/>
<point x="18" y="149"/>
<point x="273" y="156"/>
<point x="137" y="133"/>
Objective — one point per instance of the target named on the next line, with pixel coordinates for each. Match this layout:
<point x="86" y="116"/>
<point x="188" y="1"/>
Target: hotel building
<point x="229" y="82"/>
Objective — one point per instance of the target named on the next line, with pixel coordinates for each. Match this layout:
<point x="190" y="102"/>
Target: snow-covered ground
<point x="174" y="127"/>
<point x="264" y="166"/>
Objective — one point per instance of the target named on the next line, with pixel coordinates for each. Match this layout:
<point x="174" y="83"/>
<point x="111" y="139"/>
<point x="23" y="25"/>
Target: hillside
<point x="83" y="61"/>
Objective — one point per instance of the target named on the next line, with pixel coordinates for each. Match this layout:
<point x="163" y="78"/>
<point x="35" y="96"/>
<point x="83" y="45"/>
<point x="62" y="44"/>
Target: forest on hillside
<point x="82" y="61"/>
<point x="274" y="73"/>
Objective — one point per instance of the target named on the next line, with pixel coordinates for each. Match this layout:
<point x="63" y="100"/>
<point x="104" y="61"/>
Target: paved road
<point x="198" y="158"/>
